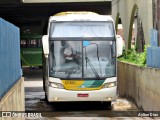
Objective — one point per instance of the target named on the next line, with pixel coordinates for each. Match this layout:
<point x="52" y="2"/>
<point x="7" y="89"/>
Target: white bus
<point x="80" y="58"/>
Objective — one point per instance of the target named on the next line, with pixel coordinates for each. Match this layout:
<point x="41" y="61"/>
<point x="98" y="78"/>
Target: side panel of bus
<point x="31" y="50"/>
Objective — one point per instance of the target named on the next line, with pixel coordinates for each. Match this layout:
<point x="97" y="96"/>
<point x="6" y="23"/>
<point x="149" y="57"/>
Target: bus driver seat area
<point x="70" y="55"/>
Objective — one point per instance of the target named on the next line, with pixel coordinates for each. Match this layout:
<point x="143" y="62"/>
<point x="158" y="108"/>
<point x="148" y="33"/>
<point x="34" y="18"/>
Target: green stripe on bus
<point x="97" y="83"/>
<point x="87" y="83"/>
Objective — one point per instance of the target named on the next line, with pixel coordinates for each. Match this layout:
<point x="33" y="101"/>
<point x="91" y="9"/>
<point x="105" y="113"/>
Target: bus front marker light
<point x="56" y="85"/>
<point x="55" y="99"/>
<point x="109" y="85"/>
<point x="109" y="98"/>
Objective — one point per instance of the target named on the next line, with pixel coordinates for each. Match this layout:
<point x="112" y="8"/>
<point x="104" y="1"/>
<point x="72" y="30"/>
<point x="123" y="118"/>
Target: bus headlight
<point x="109" y="85"/>
<point x="56" y="85"/>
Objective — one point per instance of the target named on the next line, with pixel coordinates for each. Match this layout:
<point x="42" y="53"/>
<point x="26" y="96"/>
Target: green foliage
<point x="133" y="57"/>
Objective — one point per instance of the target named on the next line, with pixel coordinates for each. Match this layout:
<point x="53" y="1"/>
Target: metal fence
<point x="10" y="67"/>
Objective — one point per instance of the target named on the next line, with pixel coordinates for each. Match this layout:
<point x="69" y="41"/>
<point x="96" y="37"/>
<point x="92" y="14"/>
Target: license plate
<point x="82" y="95"/>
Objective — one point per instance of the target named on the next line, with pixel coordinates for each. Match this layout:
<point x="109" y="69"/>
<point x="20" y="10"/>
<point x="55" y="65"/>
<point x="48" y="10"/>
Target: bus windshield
<point x="71" y="56"/>
<point x="82" y="59"/>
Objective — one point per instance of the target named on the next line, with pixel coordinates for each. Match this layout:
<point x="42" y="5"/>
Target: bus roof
<point x="74" y="12"/>
<point x="80" y="16"/>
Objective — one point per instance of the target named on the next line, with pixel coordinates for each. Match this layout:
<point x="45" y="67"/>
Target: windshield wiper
<point x="92" y="67"/>
<point x="70" y="72"/>
<point x="89" y="62"/>
<point x="73" y="67"/>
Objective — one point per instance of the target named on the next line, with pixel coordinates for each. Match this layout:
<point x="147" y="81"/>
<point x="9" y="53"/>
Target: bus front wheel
<point x="107" y="105"/>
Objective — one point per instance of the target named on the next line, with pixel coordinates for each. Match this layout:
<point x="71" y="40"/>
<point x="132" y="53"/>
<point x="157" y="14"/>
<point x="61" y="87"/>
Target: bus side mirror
<point x="120" y="44"/>
<point x="45" y="43"/>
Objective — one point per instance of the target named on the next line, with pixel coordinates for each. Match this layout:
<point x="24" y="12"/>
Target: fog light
<point x="109" y="98"/>
<point x="55" y="98"/>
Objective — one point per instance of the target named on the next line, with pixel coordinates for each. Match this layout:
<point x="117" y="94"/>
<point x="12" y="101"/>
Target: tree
<point x="140" y="42"/>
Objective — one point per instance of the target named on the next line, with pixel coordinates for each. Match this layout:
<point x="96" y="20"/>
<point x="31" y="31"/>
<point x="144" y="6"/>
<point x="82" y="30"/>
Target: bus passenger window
<point x="23" y="43"/>
<point x="39" y="43"/>
<point x="33" y="43"/>
<point x="27" y="43"/>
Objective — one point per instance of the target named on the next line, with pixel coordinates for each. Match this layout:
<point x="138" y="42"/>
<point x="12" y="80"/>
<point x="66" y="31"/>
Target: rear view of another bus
<point x="80" y="58"/>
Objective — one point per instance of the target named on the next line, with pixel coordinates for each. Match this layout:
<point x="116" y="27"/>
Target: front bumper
<point x="106" y="94"/>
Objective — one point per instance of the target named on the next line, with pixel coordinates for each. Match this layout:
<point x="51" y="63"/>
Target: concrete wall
<point x="140" y="84"/>
<point x="125" y="8"/>
<point x="14" y="100"/>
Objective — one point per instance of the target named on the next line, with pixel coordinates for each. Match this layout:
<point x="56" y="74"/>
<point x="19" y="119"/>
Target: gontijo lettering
<point x="32" y="52"/>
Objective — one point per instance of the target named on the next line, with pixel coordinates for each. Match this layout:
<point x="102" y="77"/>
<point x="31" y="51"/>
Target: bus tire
<point x="46" y="99"/>
<point x="40" y="67"/>
<point x="107" y="105"/>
